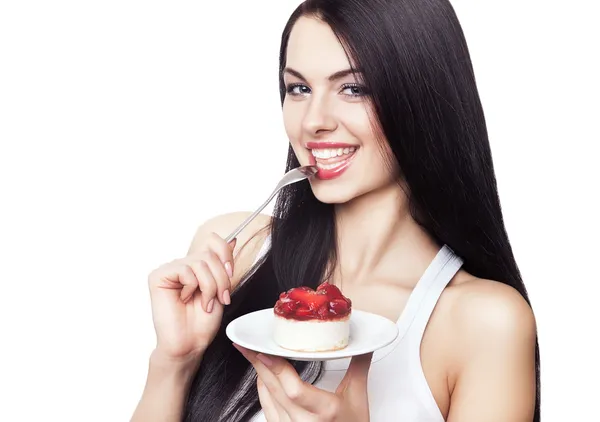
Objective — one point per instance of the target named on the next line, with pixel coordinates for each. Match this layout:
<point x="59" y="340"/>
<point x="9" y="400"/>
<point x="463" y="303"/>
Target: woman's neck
<point x="377" y="237"/>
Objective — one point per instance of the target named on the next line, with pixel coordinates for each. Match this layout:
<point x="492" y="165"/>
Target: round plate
<point x="368" y="332"/>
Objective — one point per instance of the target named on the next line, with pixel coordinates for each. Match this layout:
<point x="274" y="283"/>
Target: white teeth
<point x="331" y="152"/>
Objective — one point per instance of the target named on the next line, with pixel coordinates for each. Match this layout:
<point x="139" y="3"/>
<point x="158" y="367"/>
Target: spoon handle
<point x="292" y="176"/>
<point x="247" y="221"/>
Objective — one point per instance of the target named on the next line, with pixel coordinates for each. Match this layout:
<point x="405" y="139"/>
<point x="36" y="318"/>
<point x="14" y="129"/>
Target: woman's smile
<point x="331" y="158"/>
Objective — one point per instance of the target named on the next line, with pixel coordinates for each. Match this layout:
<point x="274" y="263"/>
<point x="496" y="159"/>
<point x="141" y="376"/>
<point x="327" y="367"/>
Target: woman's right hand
<point x="188" y="296"/>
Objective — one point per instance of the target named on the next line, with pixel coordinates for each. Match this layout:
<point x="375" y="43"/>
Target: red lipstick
<point x="331" y="166"/>
<point x="328" y="144"/>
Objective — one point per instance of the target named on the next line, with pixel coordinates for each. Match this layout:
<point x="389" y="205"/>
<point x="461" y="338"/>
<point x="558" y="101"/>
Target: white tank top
<point x="397" y="388"/>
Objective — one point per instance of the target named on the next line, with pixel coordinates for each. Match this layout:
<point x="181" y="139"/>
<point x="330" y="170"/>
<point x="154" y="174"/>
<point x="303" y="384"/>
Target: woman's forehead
<point x="314" y="50"/>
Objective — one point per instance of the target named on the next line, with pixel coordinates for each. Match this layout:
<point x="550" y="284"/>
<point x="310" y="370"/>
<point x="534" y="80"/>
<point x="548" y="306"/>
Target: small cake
<point x="308" y="320"/>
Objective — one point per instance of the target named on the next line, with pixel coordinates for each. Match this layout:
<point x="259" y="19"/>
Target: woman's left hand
<point x="285" y="397"/>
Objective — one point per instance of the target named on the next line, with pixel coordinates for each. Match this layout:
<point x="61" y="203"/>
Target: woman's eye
<point x="298" y="89"/>
<point x="353" y="90"/>
<point x="349" y="90"/>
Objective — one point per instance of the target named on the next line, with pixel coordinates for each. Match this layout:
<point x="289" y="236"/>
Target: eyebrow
<point x="333" y="77"/>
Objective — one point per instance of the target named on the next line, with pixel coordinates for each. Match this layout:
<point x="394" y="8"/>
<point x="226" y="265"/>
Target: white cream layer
<point x="311" y="336"/>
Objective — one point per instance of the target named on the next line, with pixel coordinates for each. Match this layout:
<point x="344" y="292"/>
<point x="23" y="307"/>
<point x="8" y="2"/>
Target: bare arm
<point x="169" y="377"/>
<point x="167" y="385"/>
<point x="496" y="376"/>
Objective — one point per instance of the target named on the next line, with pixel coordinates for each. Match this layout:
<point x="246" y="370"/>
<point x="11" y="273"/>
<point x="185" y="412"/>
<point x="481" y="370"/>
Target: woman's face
<point x="327" y="116"/>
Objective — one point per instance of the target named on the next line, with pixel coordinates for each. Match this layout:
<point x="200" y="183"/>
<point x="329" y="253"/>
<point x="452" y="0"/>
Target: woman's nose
<point x="319" y="117"/>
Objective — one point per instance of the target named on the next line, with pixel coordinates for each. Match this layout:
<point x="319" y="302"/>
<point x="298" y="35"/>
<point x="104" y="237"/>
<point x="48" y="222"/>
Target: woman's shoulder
<point x="490" y="324"/>
<point x="483" y="333"/>
<point x="484" y="306"/>
<point x="248" y="243"/>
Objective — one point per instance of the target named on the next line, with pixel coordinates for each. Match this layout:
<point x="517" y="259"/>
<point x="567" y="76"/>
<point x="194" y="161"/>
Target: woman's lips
<point x="336" y="171"/>
<point x="331" y="168"/>
<point x="328" y="144"/>
<point x="331" y="158"/>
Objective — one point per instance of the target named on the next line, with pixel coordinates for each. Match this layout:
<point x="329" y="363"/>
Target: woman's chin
<point x="332" y="194"/>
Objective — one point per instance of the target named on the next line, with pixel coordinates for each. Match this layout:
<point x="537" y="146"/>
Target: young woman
<point x="403" y="216"/>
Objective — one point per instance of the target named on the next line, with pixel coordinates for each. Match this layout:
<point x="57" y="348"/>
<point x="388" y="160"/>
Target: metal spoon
<point x="296" y="175"/>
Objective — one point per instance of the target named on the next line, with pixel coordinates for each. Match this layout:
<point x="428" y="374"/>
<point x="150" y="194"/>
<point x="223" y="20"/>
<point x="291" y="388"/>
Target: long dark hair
<point x="416" y="66"/>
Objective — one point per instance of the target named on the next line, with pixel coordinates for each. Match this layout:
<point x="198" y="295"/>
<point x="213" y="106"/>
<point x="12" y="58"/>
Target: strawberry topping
<point x="304" y="303"/>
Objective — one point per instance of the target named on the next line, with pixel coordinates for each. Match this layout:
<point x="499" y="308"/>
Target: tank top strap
<point x="427" y="292"/>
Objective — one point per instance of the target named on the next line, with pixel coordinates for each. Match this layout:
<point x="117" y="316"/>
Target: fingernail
<point x="226" y="297"/>
<point x="229" y="269"/>
<point x="209" y="308"/>
<point x="264" y="359"/>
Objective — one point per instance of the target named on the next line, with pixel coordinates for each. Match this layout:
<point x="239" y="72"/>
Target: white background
<point x="125" y="124"/>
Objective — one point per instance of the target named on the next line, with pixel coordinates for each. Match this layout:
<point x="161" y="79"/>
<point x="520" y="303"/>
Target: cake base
<point x="312" y="335"/>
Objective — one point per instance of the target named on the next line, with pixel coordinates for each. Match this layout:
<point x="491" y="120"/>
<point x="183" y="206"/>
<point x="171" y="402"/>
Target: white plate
<point x="368" y="332"/>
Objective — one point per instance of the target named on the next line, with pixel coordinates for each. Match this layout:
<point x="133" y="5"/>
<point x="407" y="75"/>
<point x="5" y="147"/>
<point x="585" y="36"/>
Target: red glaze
<point x="326" y="303"/>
